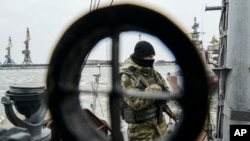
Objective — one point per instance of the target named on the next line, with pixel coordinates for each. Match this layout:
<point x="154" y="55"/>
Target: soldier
<point x="144" y="116"/>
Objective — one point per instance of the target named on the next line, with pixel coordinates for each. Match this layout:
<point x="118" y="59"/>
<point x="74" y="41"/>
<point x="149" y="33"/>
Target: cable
<point x="111" y="2"/>
<point x="90" y="8"/>
<point x="98" y="4"/>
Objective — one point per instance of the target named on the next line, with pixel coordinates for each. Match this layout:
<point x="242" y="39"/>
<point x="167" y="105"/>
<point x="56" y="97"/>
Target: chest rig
<point x="142" y="81"/>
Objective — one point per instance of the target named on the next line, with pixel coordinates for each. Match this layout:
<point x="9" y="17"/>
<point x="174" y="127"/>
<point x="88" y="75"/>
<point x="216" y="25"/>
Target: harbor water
<point x="98" y="104"/>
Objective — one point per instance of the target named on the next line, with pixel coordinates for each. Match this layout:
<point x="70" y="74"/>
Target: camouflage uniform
<point x="150" y="129"/>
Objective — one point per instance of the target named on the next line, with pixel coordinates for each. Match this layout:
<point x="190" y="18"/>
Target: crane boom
<point x="26" y="52"/>
<point x="26" y="42"/>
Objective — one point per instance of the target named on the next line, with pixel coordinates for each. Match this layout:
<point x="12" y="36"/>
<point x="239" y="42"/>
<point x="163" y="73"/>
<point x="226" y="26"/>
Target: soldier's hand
<point x="153" y="88"/>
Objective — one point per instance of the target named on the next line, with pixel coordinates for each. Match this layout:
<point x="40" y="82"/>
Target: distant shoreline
<point x="88" y="64"/>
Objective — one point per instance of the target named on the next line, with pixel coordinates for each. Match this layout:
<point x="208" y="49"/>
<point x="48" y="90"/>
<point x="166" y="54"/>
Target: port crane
<point x="9" y="60"/>
<point x="26" y="52"/>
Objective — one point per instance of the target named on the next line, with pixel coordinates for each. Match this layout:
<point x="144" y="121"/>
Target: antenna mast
<point x="195" y="35"/>
<point x="8" y="60"/>
<point x="26" y="52"/>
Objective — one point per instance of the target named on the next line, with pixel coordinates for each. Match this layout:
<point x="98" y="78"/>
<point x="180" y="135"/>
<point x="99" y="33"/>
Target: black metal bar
<point x="116" y="90"/>
<point x="210" y="8"/>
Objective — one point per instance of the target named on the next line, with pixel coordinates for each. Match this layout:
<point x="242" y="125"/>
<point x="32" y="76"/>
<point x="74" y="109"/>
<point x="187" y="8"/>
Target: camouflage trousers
<point x="148" y="131"/>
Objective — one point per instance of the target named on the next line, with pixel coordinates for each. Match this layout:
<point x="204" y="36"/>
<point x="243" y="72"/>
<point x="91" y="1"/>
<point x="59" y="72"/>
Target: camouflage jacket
<point x="149" y="129"/>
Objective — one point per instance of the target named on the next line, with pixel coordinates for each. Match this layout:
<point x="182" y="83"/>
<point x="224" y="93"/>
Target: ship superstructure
<point x="175" y="79"/>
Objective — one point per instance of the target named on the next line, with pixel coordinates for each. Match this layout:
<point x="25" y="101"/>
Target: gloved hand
<point x="153" y="88"/>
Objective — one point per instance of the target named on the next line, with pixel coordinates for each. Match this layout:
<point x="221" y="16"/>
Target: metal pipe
<point x="210" y="8"/>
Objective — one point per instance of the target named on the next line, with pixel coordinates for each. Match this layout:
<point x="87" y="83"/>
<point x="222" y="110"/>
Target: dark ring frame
<point x="78" y="40"/>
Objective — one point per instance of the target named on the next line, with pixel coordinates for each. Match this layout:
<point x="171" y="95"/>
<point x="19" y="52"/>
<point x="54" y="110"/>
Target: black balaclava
<point x="143" y="49"/>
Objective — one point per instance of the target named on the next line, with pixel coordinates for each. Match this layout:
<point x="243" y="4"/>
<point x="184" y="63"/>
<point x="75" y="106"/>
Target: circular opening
<point x="66" y="66"/>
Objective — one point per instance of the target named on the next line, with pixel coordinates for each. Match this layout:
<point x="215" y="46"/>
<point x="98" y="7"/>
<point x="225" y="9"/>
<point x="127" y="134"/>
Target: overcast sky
<point x="47" y="20"/>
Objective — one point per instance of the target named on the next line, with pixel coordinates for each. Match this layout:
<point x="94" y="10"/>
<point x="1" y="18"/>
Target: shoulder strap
<point x="128" y="73"/>
<point x="141" y="81"/>
<point x="140" y="78"/>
